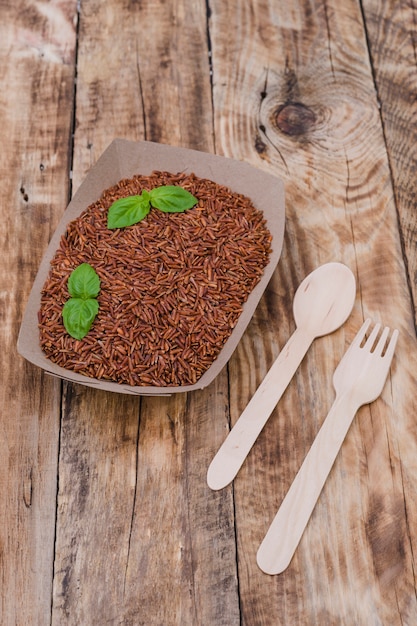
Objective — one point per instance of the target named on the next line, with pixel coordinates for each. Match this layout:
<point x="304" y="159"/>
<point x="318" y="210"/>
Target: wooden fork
<point x="358" y="379"/>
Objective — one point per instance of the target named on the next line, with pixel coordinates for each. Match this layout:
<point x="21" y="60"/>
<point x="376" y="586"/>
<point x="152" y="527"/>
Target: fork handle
<point x="280" y="542"/>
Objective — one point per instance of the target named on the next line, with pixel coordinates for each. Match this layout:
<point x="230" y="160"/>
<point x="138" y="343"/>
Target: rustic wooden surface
<point x="105" y="514"/>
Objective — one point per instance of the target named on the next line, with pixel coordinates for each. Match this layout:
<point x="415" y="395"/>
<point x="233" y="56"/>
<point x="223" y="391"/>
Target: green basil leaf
<point x="127" y="211"/>
<point x="84" y="282"/>
<point x="146" y="195"/>
<point x="172" y="199"/>
<point x="78" y="315"/>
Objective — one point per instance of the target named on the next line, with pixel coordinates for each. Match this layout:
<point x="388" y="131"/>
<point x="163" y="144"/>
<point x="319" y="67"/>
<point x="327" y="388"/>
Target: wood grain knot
<point x="24" y="194"/>
<point x="295" y="118"/>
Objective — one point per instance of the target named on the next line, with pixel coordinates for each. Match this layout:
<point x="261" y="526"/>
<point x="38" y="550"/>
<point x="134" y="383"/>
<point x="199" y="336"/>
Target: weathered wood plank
<point x="182" y="562"/>
<point x="391" y="32"/>
<point x="293" y="93"/>
<point x="97" y="482"/>
<point x="143" y="73"/>
<point x="37" y="44"/>
<point x="392" y="38"/>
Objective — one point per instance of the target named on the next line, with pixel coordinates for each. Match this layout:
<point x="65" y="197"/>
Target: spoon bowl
<point x="324" y="299"/>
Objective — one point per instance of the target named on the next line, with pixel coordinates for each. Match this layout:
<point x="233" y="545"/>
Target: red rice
<point x="172" y="286"/>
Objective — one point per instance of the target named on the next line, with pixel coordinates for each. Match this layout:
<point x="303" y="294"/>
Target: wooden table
<point x="105" y="516"/>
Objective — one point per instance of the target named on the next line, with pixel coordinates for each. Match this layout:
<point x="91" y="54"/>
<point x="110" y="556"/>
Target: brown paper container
<point x="123" y="159"/>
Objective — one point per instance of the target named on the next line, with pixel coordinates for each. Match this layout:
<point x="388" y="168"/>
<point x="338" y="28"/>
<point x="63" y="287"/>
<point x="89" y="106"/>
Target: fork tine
<point x="379" y="348"/>
<point x="370" y="342"/>
<point x="357" y="340"/>
<point x="389" y="352"/>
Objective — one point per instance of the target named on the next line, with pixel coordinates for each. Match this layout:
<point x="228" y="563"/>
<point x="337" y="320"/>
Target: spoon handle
<point x="237" y="445"/>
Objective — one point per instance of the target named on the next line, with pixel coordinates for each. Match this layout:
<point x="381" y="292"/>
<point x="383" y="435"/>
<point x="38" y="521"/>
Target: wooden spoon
<point x="322" y="303"/>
